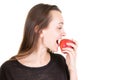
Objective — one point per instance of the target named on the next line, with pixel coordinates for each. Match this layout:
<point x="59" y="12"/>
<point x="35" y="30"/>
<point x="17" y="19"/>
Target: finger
<point x="74" y="46"/>
<point x="69" y="50"/>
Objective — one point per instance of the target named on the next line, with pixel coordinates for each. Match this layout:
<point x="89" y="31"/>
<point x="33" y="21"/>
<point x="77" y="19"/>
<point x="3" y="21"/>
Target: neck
<point x="39" y="57"/>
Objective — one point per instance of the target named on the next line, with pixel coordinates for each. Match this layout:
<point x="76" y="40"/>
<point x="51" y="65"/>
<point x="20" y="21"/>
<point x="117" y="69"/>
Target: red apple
<point x="63" y="43"/>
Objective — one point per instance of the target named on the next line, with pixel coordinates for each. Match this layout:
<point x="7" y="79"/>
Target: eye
<point x="59" y="27"/>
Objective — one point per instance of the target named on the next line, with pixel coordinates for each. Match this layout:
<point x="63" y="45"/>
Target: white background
<point x="95" y="24"/>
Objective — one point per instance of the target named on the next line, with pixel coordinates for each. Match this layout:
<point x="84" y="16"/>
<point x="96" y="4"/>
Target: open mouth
<point x="57" y="41"/>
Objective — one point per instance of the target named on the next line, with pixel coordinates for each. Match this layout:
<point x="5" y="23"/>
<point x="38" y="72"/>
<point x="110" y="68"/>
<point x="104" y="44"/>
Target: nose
<point x="63" y="33"/>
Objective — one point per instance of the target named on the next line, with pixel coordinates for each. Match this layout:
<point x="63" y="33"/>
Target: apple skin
<point x="63" y="43"/>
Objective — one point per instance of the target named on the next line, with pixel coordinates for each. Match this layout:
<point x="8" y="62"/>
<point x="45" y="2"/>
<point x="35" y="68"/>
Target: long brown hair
<point x="38" y="16"/>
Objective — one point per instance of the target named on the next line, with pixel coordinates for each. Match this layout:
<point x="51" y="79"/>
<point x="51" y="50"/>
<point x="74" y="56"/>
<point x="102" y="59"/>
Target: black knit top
<point x="56" y="69"/>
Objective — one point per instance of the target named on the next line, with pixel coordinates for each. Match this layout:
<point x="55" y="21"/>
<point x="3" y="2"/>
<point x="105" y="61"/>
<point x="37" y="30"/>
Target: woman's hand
<point x="71" y="55"/>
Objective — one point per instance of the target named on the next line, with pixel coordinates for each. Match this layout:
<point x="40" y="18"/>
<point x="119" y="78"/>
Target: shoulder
<point x="7" y="64"/>
<point x="6" y="68"/>
<point x="58" y="56"/>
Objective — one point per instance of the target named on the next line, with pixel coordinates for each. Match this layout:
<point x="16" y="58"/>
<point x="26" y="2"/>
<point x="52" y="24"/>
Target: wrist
<point x="73" y="74"/>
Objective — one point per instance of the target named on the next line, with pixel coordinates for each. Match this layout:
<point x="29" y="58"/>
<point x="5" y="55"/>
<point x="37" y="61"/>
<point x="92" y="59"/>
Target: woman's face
<point x="54" y="32"/>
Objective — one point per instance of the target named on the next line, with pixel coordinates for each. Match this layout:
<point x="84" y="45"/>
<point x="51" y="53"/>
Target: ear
<point x="36" y="28"/>
<point x="41" y="34"/>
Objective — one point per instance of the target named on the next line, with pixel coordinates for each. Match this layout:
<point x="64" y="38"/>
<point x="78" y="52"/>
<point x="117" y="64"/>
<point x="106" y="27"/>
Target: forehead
<point x="56" y="16"/>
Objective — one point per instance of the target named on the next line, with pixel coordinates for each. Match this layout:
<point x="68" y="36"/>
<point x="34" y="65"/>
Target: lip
<point x="58" y="41"/>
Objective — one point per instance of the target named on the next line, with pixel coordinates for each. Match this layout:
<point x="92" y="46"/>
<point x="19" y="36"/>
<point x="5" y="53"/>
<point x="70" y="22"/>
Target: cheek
<point x="57" y="32"/>
<point x="46" y="34"/>
<point x="53" y="34"/>
<point x="48" y="37"/>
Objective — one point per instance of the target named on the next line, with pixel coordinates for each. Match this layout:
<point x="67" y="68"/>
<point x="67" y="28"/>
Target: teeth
<point x="58" y="42"/>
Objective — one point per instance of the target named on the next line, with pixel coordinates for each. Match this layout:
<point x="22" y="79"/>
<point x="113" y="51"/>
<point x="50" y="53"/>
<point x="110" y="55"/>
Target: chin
<point x="55" y="50"/>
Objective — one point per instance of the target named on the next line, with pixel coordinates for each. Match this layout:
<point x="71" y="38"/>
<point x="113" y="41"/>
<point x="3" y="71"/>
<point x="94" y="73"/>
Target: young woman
<point x="36" y="58"/>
